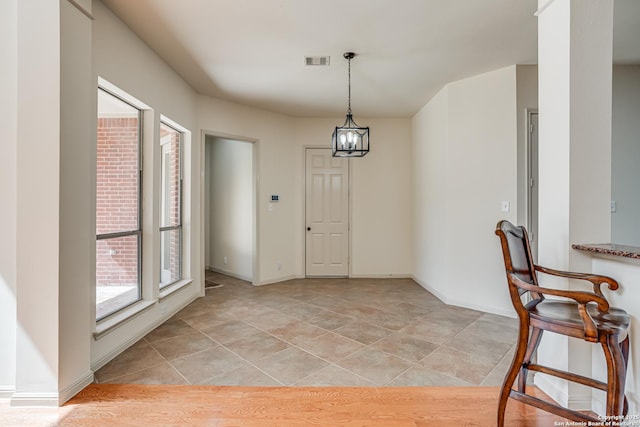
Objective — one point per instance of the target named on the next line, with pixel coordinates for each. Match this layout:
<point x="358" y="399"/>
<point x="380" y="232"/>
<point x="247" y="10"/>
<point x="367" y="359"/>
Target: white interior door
<point x="327" y="214"/>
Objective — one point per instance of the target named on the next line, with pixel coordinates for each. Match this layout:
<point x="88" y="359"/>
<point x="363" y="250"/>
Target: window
<point x="170" y="205"/>
<point x="118" y="195"/>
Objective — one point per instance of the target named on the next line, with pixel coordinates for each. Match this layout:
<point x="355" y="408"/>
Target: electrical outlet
<point x="614" y="206"/>
<point x="225" y="260"/>
<point x="278" y="266"/>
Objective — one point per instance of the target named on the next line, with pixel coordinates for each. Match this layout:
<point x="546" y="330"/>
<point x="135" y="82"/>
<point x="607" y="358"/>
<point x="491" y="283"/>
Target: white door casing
<point x="327" y="214"/>
<point x="532" y="187"/>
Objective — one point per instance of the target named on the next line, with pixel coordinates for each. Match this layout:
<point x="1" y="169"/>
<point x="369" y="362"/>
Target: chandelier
<point x="350" y="140"/>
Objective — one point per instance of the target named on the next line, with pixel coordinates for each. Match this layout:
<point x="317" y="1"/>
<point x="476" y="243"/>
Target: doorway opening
<point x="230" y="226"/>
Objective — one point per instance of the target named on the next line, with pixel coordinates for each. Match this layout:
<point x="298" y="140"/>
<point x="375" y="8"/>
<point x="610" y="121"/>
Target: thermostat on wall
<point x="275" y="197"/>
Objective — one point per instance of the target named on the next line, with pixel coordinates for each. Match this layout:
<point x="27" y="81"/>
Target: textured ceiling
<point x="252" y="51"/>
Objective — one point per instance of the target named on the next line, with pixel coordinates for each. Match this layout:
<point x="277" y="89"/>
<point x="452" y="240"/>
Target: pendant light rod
<point x="349" y="56"/>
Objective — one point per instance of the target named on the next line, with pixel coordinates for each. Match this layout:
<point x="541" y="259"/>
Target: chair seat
<point x="565" y="313"/>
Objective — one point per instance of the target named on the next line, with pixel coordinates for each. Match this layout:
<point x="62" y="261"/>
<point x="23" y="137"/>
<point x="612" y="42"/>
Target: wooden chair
<point x="578" y="314"/>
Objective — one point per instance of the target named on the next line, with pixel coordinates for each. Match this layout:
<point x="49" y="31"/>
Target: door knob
<point x="308" y="228"/>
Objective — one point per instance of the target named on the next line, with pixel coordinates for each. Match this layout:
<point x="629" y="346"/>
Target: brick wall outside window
<point x="170" y="239"/>
<point x="117" y="200"/>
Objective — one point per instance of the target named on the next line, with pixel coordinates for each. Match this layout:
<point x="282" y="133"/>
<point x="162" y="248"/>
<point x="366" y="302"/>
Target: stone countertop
<point x="610" y="249"/>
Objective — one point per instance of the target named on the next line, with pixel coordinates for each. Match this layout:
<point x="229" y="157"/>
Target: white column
<point x="575" y="67"/>
<point x="8" y="188"/>
<point x="38" y="195"/>
<point x="78" y="92"/>
<point x="55" y="138"/>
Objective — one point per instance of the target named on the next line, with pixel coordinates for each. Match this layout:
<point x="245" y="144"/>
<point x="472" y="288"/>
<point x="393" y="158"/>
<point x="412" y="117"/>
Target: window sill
<point x="107" y="325"/>
<point x="173" y="288"/>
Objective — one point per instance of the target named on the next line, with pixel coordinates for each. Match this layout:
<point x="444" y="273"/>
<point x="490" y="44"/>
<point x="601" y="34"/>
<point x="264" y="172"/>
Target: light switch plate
<point x="505" y="206"/>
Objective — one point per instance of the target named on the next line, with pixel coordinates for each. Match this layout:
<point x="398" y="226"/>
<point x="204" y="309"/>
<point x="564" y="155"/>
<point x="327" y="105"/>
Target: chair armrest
<point x="596" y="280"/>
<point x="582" y="298"/>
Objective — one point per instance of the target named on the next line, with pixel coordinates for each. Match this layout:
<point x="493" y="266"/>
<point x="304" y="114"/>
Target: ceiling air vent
<point x="317" y="60"/>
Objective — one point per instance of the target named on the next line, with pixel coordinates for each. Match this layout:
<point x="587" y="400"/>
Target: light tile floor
<point x="320" y="332"/>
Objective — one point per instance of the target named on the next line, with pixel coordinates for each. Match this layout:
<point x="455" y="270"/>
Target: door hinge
<point x="530" y="127"/>
<point x="531" y="182"/>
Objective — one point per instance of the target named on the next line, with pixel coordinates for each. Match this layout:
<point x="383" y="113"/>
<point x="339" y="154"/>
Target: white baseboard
<point x="381" y="276"/>
<point x="231" y="274"/>
<point x="442" y="297"/>
<point x="25" y="399"/>
<point x="466" y="304"/>
<point x="75" y="388"/>
<point x="550" y="386"/>
<point x="106" y="358"/>
<point x="6" y="391"/>
<point x="581" y="403"/>
<point x="116" y="351"/>
<point x="278" y="280"/>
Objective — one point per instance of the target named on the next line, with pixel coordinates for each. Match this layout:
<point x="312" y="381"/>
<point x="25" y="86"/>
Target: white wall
<point x="277" y="166"/>
<point x="430" y="133"/>
<point x="381" y="205"/>
<point x="8" y="196"/>
<point x="381" y="183"/>
<point x="625" y="153"/>
<point x="231" y="206"/>
<point x="465" y="162"/>
<point x="121" y="58"/>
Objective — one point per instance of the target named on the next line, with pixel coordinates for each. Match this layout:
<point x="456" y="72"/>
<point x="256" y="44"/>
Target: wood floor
<point x="214" y="406"/>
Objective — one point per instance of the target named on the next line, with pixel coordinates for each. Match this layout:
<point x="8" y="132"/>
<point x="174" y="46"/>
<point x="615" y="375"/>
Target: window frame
<point x="138" y="231"/>
<point x="179" y="227"/>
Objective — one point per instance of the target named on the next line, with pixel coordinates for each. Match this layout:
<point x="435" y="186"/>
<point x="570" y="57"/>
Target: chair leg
<point x="624" y="347"/>
<point x="616" y="374"/>
<point x="516" y="364"/>
<point x="534" y="342"/>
